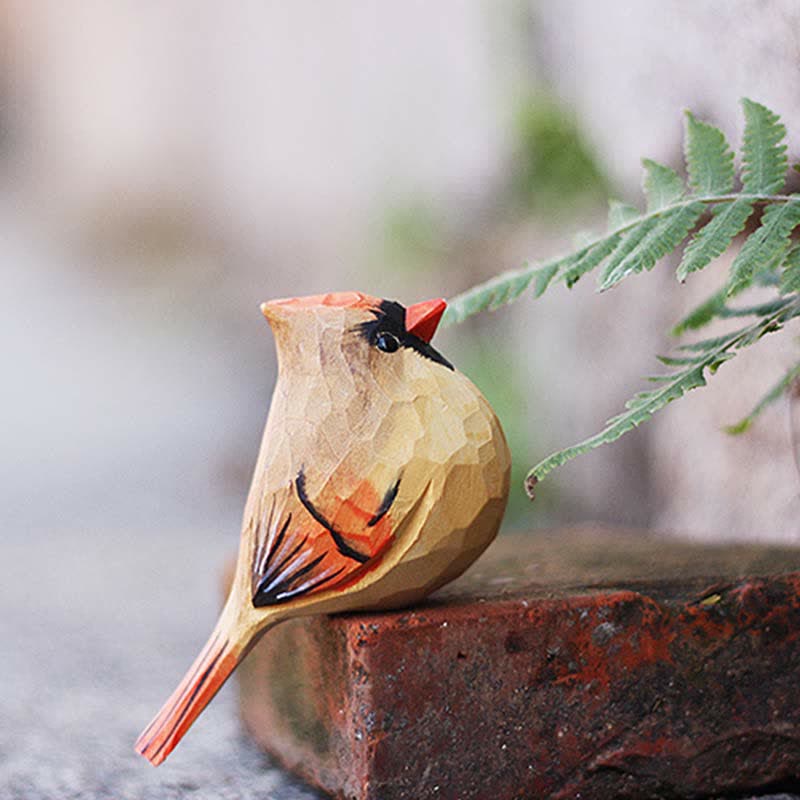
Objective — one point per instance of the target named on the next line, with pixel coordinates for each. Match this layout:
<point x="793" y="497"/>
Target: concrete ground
<point x="97" y="627"/>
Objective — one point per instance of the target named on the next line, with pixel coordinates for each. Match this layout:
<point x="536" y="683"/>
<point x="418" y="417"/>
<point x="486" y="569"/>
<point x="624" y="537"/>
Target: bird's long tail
<point x="205" y="677"/>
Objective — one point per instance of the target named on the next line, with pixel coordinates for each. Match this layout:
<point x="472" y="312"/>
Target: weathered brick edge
<point x="659" y="691"/>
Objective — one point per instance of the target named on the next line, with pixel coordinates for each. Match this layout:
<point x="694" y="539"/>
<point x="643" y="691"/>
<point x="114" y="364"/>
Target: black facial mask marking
<point x="390" y="320"/>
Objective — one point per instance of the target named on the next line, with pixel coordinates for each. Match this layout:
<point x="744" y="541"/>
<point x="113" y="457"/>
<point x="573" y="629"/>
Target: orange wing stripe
<point x="298" y="557"/>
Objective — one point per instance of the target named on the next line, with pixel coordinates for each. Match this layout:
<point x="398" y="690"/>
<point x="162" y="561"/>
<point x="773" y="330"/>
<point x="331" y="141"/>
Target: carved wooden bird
<point x="383" y="474"/>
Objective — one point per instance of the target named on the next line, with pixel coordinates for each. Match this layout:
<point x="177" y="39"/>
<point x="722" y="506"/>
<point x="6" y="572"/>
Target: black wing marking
<point x="279" y="576"/>
<point x="282" y="569"/>
<point x="338" y="539"/>
<point x="385" y="505"/>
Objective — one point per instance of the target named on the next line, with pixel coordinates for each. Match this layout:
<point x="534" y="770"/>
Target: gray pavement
<point x="97" y="627"/>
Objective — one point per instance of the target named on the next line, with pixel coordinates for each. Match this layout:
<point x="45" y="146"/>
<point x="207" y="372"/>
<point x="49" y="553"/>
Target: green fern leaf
<point x="678" y="361"/>
<point x="790" y="277"/>
<point x="709" y="158"/>
<point x="754" y="336"/>
<point x="715" y="238"/>
<point x="763" y="151"/>
<point x="711" y="354"/>
<point x="631" y="248"/>
<point x="772" y="268"/>
<point x="715" y="308"/>
<point x="663" y="237"/>
<point x="769" y="278"/>
<point x="765" y="246"/>
<point x="582" y="240"/>
<point x="504" y="288"/>
<point x="637" y="241"/>
<point x="511" y="288"/>
<point x="719" y="361"/>
<point x="775" y="393"/>
<point x="702" y="314"/>
<point x="620" y="214"/>
<point x="591" y="259"/>
<point x="662" y="185"/>
<point x="541" y="280"/>
<point x="630" y="241"/>
<point x="639" y="410"/>
<point x="758" y="310"/>
<point x="488" y="295"/>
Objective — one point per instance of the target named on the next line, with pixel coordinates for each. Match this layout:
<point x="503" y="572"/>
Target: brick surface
<point x="576" y="663"/>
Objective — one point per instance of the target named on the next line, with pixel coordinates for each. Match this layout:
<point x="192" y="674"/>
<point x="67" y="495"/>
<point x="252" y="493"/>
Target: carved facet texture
<point x="355" y="422"/>
<point x="383" y="474"/>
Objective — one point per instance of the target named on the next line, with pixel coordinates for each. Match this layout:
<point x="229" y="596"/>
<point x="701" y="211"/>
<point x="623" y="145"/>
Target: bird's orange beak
<point x="422" y="319"/>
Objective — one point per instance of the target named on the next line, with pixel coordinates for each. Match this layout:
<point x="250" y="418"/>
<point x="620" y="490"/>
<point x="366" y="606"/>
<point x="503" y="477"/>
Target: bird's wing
<point x="299" y="547"/>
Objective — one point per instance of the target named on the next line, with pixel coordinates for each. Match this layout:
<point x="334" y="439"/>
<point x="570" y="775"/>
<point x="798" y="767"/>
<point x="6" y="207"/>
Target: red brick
<point x="576" y="663"/>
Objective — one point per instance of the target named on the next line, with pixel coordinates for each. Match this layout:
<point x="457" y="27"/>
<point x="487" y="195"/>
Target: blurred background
<point x="165" y="167"/>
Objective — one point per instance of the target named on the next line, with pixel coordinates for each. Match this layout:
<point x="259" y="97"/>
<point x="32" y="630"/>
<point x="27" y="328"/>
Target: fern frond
<point x="514" y="285"/>
<point x="758" y="310"/>
<point x="480" y="298"/>
<point x="657" y="240"/>
<point x="715" y="307"/>
<point x="620" y="214"/>
<point x="639" y="410"/>
<point x="662" y="185"/>
<point x="505" y="288"/>
<point x="715" y="238"/>
<point x="766" y="246"/>
<point x="701" y="314"/>
<point x="541" y="280"/>
<point x="591" y="259"/>
<point x="709" y="158"/>
<point x="769" y="278"/>
<point x="635" y="241"/>
<point x="773" y="395"/>
<point x="710" y="355"/>
<point x="763" y="150"/>
<point x="790" y="276"/>
<point x="629" y="244"/>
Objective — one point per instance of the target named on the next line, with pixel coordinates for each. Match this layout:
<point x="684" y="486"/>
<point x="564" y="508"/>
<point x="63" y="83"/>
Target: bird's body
<point x="383" y="474"/>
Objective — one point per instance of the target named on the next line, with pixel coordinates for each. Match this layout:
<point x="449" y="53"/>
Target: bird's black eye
<point x="387" y="342"/>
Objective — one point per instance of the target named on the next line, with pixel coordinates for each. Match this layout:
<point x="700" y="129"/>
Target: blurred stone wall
<point x="629" y="69"/>
<point x="165" y="167"/>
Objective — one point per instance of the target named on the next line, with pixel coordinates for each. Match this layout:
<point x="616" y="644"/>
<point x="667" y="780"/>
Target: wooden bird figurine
<point x="383" y="474"/>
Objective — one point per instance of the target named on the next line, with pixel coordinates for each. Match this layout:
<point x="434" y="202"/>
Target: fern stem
<point x="706" y="200"/>
<point x="483" y="295"/>
<point x="754" y="198"/>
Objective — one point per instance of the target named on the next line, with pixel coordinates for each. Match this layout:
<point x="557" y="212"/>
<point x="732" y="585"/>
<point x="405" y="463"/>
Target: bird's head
<point x="362" y="332"/>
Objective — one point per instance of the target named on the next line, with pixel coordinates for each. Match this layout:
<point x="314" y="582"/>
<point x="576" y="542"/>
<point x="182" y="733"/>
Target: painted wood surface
<point x="383" y="474"/>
